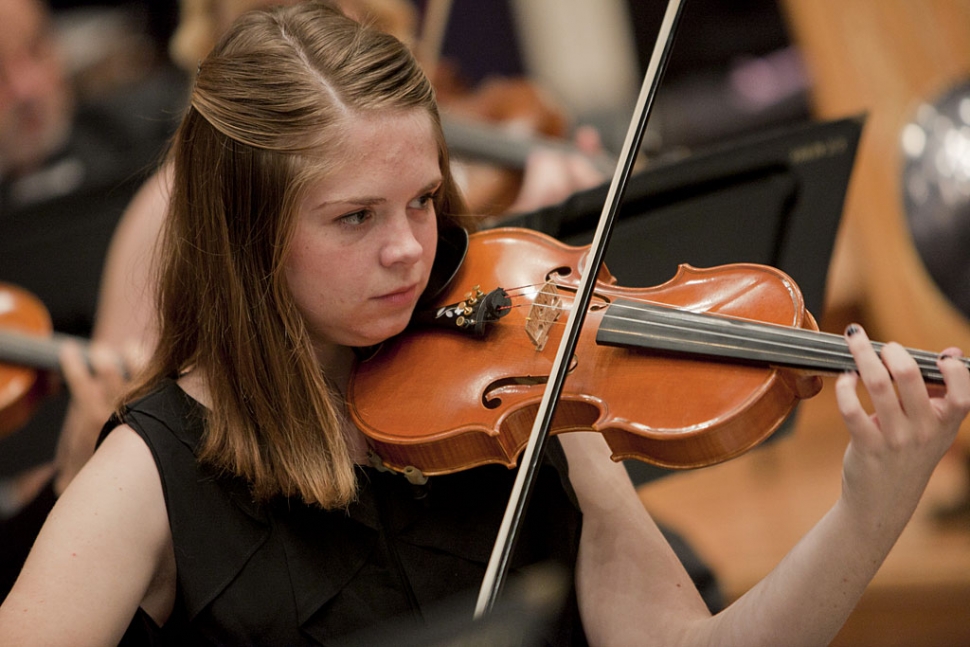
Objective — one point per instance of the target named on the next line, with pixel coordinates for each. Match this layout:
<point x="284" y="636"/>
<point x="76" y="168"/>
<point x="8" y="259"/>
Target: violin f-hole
<point x="492" y="395"/>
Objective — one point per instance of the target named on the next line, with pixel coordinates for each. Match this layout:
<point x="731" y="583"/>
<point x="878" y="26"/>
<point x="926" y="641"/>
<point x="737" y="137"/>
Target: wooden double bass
<point x="883" y="58"/>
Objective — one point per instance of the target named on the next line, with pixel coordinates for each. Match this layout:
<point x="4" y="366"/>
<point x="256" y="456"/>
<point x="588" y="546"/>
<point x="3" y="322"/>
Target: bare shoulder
<point x="119" y="491"/>
<point x="104" y="551"/>
<point x="123" y="457"/>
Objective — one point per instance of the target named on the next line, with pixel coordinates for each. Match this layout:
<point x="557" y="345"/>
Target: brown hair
<point x="266" y="109"/>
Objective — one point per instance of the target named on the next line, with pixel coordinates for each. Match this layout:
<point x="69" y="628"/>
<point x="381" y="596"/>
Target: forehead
<point x="390" y="126"/>
<point x="395" y="142"/>
<point x="21" y="21"/>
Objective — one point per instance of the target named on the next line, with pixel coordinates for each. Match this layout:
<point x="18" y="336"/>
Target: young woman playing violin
<point x="232" y="502"/>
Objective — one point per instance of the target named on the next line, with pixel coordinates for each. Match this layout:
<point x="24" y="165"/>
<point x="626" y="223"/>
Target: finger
<point x="134" y="357"/>
<point x="74" y="368"/>
<point x="910" y="386"/>
<point x="545" y="181"/>
<point x="847" y="399"/>
<point x="956" y="376"/>
<point x="583" y="174"/>
<point x="109" y="371"/>
<point x="588" y="140"/>
<point x="106" y="362"/>
<point x="874" y="375"/>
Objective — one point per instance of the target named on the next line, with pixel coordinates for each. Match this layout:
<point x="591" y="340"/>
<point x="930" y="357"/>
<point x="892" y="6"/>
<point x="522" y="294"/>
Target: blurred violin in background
<point x="25" y="329"/>
<point x="492" y="127"/>
<point x="29" y="362"/>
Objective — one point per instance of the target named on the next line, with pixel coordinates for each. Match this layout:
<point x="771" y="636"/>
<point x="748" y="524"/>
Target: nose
<point x="29" y="76"/>
<point x="403" y="243"/>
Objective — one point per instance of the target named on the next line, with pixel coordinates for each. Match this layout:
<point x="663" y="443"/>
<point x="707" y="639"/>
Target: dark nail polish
<point x="851" y="330"/>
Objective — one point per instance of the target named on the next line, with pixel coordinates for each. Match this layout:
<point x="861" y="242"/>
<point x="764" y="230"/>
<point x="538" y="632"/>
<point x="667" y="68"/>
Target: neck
<point x="336" y="363"/>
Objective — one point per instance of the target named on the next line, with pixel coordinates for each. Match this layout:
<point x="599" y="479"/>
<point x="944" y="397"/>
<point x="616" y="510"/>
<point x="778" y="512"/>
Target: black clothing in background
<point x="56" y="224"/>
<point x="17" y="535"/>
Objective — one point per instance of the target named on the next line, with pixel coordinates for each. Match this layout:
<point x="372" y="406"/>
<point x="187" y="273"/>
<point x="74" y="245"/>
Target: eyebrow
<point x="367" y="201"/>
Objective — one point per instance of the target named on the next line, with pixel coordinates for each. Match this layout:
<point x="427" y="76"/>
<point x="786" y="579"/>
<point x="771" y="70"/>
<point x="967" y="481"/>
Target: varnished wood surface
<point x="744" y="515"/>
<point x="883" y="58"/>
<point x="880" y="57"/>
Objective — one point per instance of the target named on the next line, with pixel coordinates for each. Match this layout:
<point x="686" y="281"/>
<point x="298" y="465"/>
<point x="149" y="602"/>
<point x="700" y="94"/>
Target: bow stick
<point x="498" y="564"/>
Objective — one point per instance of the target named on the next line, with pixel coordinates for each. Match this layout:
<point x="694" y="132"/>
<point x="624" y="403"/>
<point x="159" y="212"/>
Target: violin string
<point x="782" y="344"/>
<point x="530" y="291"/>
<point x="720" y="334"/>
<point x="525" y="293"/>
<point x="795" y="343"/>
<point x="532" y="287"/>
<point x="720" y="342"/>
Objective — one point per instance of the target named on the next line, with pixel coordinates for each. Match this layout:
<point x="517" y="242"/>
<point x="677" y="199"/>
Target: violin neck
<point x="641" y="325"/>
<point x="490" y="143"/>
<point x="32" y="351"/>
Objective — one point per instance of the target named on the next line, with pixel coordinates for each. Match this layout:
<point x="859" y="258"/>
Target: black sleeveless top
<point x="284" y="573"/>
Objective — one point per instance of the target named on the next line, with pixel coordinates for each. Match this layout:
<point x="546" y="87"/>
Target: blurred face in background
<point x="35" y="101"/>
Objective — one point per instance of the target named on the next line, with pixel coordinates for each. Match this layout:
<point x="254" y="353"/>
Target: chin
<point x="373" y="338"/>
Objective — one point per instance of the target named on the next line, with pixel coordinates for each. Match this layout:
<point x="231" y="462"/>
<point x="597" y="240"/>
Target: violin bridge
<point x="544" y="311"/>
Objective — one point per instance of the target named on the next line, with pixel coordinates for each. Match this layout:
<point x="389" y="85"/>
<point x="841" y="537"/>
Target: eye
<point x="425" y="201"/>
<point x="355" y="218"/>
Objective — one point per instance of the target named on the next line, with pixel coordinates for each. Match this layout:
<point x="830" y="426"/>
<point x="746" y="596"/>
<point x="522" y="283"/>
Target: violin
<point x="492" y="129"/>
<point x="479" y="140"/>
<point x="685" y="374"/>
<point x="22" y="316"/>
<point x="28" y="355"/>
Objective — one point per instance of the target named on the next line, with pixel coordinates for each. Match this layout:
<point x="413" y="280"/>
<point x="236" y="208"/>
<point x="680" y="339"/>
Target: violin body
<point x="462" y="401"/>
<point x="21" y="386"/>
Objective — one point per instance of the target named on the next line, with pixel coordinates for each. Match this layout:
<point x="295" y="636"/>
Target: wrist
<point x="874" y="529"/>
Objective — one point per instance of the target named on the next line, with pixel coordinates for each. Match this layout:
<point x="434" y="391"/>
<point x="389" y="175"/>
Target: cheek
<point x="49" y="76"/>
<point x="303" y="277"/>
<point x="321" y="281"/>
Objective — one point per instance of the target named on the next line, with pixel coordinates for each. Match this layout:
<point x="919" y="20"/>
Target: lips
<point x="402" y="296"/>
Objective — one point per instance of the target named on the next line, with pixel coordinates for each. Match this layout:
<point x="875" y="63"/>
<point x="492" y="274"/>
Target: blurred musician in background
<point x="69" y="163"/>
